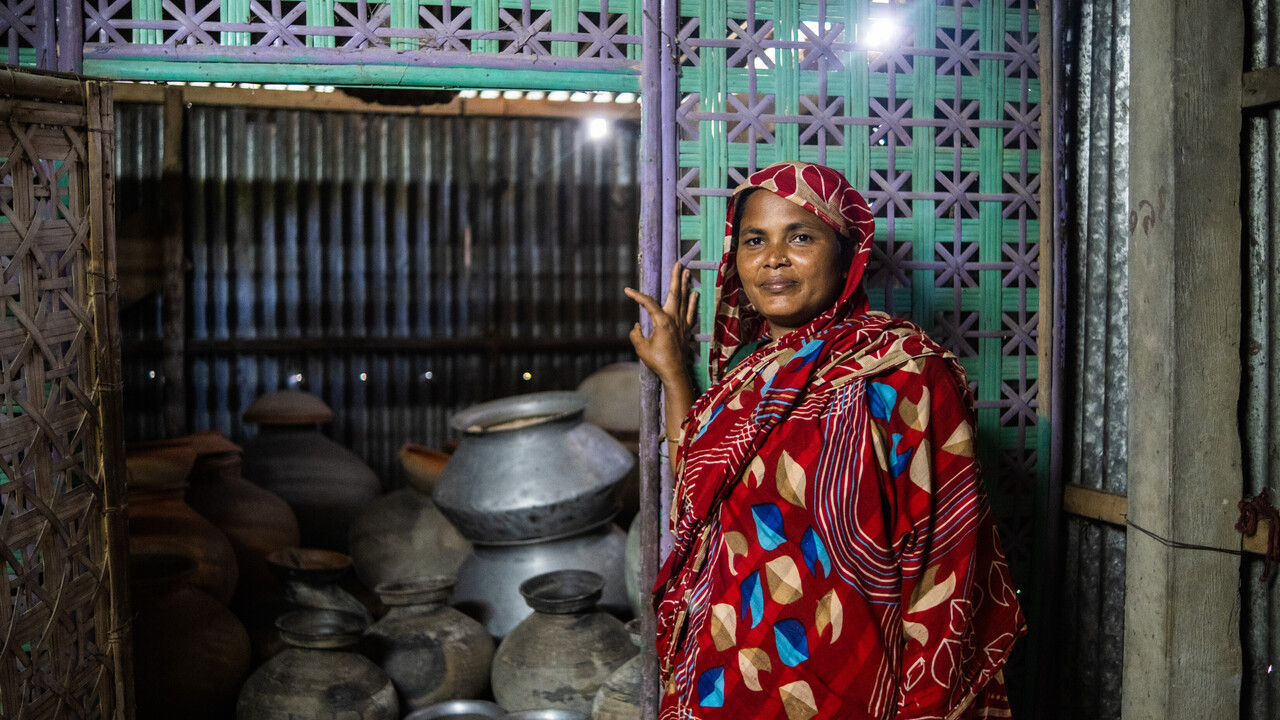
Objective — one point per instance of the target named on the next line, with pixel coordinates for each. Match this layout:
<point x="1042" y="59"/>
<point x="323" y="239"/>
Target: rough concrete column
<point x="1182" y="639"/>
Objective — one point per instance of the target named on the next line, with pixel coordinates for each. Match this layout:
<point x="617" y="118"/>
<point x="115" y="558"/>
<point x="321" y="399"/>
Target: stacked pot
<point x="534" y="487"/>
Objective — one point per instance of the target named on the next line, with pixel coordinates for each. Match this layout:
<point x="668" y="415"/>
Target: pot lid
<point x="287" y="407"/>
<point x="519" y="411"/>
<point x="458" y="710"/>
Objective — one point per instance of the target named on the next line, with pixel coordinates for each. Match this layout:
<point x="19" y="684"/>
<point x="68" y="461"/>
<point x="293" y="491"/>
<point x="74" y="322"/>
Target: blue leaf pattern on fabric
<point x="769" y="528"/>
<point x="752" y="598"/>
<point x="882" y="400"/>
<point x="898" y="463"/>
<point x="709" y="421"/>
<point x="807" y="353"/>
<point x="711" y="687"/>
<point x="814" y="553"/>
<point x="793" y="644"/>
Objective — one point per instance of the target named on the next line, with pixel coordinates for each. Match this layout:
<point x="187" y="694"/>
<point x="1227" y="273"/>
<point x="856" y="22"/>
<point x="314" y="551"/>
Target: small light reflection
<point x="364" y="376"/>
<point x="427" y="375"/>
<point x="597" y="128"/>
<point x="151" y="374"/>
<point x="527" y="376"/>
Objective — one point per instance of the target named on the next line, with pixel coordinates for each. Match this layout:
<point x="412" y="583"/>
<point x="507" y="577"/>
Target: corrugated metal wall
<point x="400" y="267"/>
<point x="1096" y="100"/>
<point x="1260" y="406"/>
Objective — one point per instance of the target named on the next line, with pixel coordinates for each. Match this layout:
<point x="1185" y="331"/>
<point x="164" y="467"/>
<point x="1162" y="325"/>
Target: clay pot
<point x="190" y="653"/>
<point x="422" y="466"/>
<point x="432" y="652"/>
<point x="318" y="676"/>
<point x="560" y="656"/>
<point x="402" y="535"/>
<point x="255" y="520"/>
<point x="161" y="522"/>
<point x="619" y="697"/>
<point x="529" y="468"/>
<point x="489" y="581"/>
<point x="613" y="399"/>
<point x="325" y="484"/>
<point x="311" y="581"/>
<point x="546" y="714"/>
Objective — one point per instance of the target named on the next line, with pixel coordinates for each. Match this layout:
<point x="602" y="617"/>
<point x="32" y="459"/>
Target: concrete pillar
<point x="1182" y="639"/>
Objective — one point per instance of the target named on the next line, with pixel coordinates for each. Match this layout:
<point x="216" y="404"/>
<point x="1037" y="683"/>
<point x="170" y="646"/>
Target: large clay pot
<point x="162" y="523"/>
<point x="190" y="653"/>
<point x="561" y="655"/>
<point x="530" y="468"/>
<point x="255" y="520"/>
<point x="613" y="403"/>
<point x="432" y="652"/>
<point x="489" y="581"/>
<point x="619" y="697"/>
<point x="402" y="535"/>
<point x="459" y="710"/>
<point x="422" y="466"/>
<point x="325" y="484"/>
<point x="310" y="577"/>
<point x="318" y="676"/>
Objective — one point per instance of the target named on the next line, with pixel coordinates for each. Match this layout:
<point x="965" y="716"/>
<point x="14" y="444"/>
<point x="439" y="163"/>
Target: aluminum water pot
<point x="529" y="468"/>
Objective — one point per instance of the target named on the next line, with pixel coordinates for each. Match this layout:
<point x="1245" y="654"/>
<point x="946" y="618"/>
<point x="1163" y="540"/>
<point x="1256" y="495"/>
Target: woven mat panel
<point x="52" y="662"/>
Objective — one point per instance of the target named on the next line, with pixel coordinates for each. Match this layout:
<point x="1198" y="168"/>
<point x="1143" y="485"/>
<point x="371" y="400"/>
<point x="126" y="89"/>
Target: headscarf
<point x="730" y="422"/>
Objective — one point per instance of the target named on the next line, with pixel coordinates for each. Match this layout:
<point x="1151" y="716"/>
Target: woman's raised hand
<point x="665" y="351"/>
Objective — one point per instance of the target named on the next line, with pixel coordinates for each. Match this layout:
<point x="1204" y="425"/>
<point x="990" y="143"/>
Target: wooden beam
<point x="1182" y="651"/>
<point x="174" y="288"/>
<point x="1113" y="509"/>
<point x="341" y="102"/>
<point x="1261" y="88"/>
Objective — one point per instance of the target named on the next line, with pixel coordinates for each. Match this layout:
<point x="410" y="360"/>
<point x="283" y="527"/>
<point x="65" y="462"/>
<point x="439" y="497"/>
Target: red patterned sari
<point x="834" y="553"/>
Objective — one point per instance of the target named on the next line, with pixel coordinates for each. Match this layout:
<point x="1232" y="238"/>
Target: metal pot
<point x="529" y="468"/>
<point x="488" y="586"/>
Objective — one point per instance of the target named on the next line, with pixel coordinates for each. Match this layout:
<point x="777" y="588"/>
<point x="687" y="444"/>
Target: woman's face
<point x="789" y="262"/>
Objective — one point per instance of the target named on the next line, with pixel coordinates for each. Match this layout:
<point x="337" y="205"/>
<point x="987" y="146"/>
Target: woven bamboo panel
<point x="59" y="656"/>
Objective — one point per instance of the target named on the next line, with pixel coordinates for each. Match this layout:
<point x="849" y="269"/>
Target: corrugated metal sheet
<point x="400" y="267"/>
<point x="1097" y="122"/>
<point x="1260" y="406"/>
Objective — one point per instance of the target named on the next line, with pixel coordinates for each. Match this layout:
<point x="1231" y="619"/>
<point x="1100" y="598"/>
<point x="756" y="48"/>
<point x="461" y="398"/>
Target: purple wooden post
<point x="651" y="235"/>
<point x="70" y="36"/>
<point x="46" y="17"/>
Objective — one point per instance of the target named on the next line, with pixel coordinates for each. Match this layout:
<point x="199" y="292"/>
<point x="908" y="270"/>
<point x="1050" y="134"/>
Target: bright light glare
<point x="597" y="128"/>
<point x="512" y="95"/>
<point x="364" y="376"/>
<point x="882" y="32"/>
<point x="527" y="376"/>
<point x="490" y="94"/>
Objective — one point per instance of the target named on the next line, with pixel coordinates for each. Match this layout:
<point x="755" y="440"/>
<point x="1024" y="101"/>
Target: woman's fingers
<point x="645" y="301"/>
<point x="692" y="309"/>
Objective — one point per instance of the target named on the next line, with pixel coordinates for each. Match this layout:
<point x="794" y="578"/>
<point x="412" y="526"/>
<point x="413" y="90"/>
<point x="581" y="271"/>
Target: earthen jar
<point x="422" y="466"/>
<point x="402" y="535"/>
<point x="619" y="697"/>
<point x="311" y="581"/>
<point x="325" y="484"/>
<point x="561" y="655"/>
<point x="432" y="652"/>
<point x="190" y="653"/>
<point x="319" y="675"/>
<point x="161" y="521"/>
<point x="254" y="519"/>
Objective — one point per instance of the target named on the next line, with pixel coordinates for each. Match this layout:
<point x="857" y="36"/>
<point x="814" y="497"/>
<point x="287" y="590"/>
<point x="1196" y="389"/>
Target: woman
<point x="834" y="554"/>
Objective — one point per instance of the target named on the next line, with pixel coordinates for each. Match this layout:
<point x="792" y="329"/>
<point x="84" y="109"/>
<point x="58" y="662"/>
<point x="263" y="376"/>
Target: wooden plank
<point x="1182" y="652"/>
<point x="174" y="289"/>
<point x="1113" y="509"/>
<point x="1261" y="88"/>
<point x="341" y="102"/>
